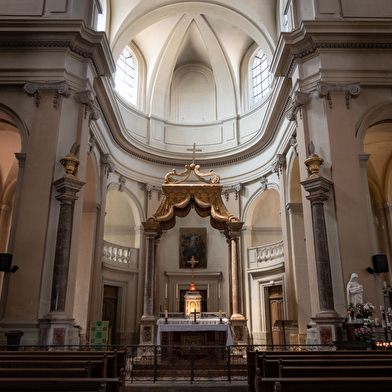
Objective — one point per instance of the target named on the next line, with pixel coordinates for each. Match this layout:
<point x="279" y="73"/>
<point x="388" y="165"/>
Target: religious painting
<point x="193" y="243"/>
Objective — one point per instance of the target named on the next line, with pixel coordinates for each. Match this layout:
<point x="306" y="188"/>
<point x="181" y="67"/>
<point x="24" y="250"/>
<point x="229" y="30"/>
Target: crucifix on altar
<point x="192" y="297"/>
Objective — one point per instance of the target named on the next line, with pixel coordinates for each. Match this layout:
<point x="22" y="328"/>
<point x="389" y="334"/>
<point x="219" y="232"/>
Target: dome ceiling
<point x="193" y="53"/>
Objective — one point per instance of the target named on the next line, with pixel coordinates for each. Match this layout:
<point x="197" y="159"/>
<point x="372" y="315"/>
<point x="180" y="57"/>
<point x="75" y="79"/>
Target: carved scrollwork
<point x="188" y="170"/>
<point x="300" y="99"/>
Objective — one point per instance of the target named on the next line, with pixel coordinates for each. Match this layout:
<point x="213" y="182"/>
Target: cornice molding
<point x="53" y="44"/>
<point x="334" y="45"/>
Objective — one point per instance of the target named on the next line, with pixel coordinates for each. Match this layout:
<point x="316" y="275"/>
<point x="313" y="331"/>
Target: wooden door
<point x="109" y="309"/>
<point x="276" y="313"/>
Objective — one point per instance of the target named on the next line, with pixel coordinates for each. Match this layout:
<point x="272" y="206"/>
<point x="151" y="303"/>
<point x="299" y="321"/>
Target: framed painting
<point x="193" y="242"/>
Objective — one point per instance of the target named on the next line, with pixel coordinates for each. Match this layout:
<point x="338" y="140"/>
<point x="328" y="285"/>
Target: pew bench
<point x="53" y="384"/>
<point x="98" y="367"/>
<point x="324" y="384"/>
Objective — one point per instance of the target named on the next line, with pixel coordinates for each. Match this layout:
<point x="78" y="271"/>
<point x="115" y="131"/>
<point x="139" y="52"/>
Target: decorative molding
<point x="57" y="88"/>
<point x="21" y="157"/>
<point x="92" y="141"/>
<point x="122" y="180"/>
<point x="264" y="183"/>
<point x="52" y="44"/>
<point x="363" y="158"/>
<point x="156" y="188"/>
<point x="294" y="145"/>
<point x="349" y="90"/>
<point x="236" y="189"/>
<point x="86" y="98"/>
<point x="277" y="165"/>
<point x="300" y="99"/>
<point x="110" y="167"/>
<point x="335" y="45"/>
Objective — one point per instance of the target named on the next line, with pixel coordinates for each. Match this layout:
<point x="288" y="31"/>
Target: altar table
<point x="188" y="326"/>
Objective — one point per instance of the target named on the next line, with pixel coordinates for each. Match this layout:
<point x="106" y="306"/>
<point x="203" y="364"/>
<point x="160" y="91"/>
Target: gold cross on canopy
<point x="192" y="262"/>
<point x="193" y="152"/>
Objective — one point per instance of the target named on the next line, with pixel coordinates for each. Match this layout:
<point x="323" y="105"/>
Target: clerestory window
<point x="125" y="78"/>
<point x="261" y="76"/>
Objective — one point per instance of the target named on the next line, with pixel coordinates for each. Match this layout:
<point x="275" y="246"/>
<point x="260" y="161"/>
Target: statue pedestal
<point x="329" y="326"/>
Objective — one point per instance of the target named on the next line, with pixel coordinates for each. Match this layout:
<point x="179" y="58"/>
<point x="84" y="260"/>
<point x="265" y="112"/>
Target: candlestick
<point x="165" y="313"/>
<point x="220" y="313"/>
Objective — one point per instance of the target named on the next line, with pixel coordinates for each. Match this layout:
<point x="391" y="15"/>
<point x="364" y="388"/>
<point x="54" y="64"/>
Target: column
<point x="237" y="320"/>
<point x="67" y="188"/>
<point x="148" y="320"/>
<point x="56" y="325"/>
<point x="278" y="167"/>
<point x="300" y="267"/>
<point x="107" y="167"/>
<point x="329" y="324"/>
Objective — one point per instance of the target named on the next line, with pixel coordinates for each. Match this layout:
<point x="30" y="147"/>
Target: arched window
<point x="125" y="79"/>
<point x="261" y="76"/>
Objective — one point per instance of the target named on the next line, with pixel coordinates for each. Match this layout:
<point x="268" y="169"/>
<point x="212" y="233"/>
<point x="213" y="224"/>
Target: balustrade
<point x="270" y="253"/>
<point x="118" y="253"/>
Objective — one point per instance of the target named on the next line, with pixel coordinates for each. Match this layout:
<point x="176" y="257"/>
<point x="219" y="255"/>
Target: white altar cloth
<point x="189" y="327"/>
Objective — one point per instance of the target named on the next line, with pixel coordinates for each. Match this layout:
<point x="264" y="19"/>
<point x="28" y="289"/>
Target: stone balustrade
<point x="123" y="255"/>
<point x="270" y="254"/>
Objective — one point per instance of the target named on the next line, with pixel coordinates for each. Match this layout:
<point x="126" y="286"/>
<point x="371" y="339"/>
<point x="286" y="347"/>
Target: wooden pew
<point x="45" y="373"/>
<point x="325" y="384"/>
<point x="53" y="384"/>
<point x="334" y="371"/>
<point x="115" y="359"/>
<point x="270" y="368"/>
<point x="98" y="368"/>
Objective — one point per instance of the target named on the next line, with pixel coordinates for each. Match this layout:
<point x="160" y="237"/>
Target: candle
<point x="208" y="291"/>
<point x="165" y="313"/>
<point x="220" y="313"/>
<point x="166" y="292"/>
<point x="219" y="290"/>
<point x="176" y="290"/>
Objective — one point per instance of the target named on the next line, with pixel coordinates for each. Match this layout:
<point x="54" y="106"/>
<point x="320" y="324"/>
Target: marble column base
<point x="58" y="329"/>
<point x="239" y="330"/>
<point x="329" y="327"/>
<point x="148" y="331"/>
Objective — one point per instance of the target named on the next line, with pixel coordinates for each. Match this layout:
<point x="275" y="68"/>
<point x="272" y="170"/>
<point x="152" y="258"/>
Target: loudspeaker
<point x="380" y="263"/>
<point x="5" y="262"/>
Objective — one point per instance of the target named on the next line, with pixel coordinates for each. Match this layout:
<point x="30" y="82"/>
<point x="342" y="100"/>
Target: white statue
<point x="354" y="291"/>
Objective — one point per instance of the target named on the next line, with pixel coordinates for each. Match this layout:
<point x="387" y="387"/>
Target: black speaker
<point x="5" y="262"/>
<point x="380" y="263"/>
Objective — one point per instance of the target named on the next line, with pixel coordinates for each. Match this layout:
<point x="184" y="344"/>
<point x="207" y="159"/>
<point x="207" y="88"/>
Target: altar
<point x="184" y="332"/>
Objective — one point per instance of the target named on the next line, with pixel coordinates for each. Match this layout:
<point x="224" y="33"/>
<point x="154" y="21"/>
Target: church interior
<point x="226" y="161"/>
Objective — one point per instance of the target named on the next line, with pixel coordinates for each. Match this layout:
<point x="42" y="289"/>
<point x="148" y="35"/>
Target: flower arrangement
<point x="365" y="311"/>
<point x="351" y="310"/>
<point x="364" y="333"/>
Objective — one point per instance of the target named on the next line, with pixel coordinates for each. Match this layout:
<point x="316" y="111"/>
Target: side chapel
<point x="279" y="111"/>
